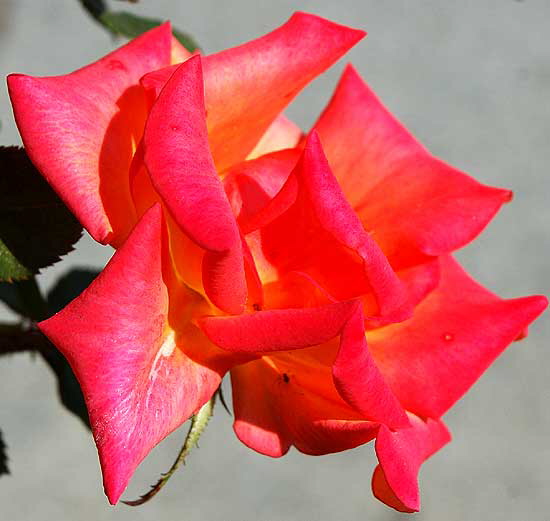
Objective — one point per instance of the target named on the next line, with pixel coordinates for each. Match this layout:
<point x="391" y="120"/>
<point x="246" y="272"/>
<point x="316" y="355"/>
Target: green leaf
<point x="199" y="423"/>
<point x="94" y="7"/>
<point x="130" y="25"/>
<point x="3" y="457"/>
<point x="36" y="228"/>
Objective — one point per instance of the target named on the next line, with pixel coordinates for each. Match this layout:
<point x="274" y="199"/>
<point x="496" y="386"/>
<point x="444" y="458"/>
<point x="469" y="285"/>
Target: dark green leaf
<point x="3" y="457"/>
<point x="94" y="7"/>
<point x="36" y="228"/>
<point x="130" y="25"/>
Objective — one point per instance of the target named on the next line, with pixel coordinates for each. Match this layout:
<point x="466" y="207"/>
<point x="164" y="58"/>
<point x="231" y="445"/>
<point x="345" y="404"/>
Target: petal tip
<point x="354" y="35"/>
<point x="507" y="195"/>
<point x="538" y="304"/>
<point x="114" y="489"/>
<point x="384" y="493"/>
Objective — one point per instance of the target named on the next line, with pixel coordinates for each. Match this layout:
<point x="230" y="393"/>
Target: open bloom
<point x="316" y="268"/>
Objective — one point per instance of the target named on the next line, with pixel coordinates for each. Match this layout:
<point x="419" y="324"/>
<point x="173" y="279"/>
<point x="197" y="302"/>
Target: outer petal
<point x="81" y="130"/>
<point x="260" y="78"/>
<point x="431" y="360"/>
<point x="138" y="383"/>
<point x="178" y="158"/>
<point x="310" y="227"/>
<point x="355" y="374"/>
<point x="413" y="204"/>
<point x="400" y="454"/>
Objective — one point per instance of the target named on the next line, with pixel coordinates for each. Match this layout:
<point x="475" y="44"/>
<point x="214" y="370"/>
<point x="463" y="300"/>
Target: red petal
<point x="276" y="330"/>
<point x="295" y="290"/>
<point x="138" y="383"/>
<point x="260" y="78"/>
<point x="431" y="360"/>
<point x="413" y="204"/>
<point x="178" y="158"/>
<point x="310" y="227"/>
<point x="252" y="184"/>
<point x="257" y="421"/>
<point x="401" y="454"/>
<point x="81" y="129"/>
<point x="359" y="381"/>
<point x="355" y="374"/>
<point x="418" y="282"/>
<point x="276" y="408"/>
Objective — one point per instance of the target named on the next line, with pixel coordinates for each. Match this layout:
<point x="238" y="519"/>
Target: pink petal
<point x="401" y="454"/>
<point x="178" y="158"/>
<point x="80" y="130"/>
<point x="260" y="78"/>
<point x="431" y="360"/>
<point x="138" y="383"/>
<point x="412" y="203"/>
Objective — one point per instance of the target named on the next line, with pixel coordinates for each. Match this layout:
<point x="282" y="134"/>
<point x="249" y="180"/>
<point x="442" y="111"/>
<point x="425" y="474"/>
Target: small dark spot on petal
<point x="256" y="307"/>
<point x="116" y="65"/>
<point x="286" y="378"/>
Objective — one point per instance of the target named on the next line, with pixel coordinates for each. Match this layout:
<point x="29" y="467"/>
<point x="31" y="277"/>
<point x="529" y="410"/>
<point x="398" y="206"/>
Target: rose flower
<point x="316" y="269"/>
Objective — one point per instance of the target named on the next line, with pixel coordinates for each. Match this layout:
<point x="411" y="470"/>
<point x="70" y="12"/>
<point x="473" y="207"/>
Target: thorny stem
<point x="198" y="423"/>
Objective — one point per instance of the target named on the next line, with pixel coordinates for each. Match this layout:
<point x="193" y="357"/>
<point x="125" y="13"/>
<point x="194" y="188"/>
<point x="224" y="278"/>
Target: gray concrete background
<point x="471" y="79"/>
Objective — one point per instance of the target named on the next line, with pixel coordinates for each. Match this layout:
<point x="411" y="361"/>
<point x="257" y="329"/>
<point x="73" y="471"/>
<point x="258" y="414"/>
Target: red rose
<point x="317" y="269"/>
